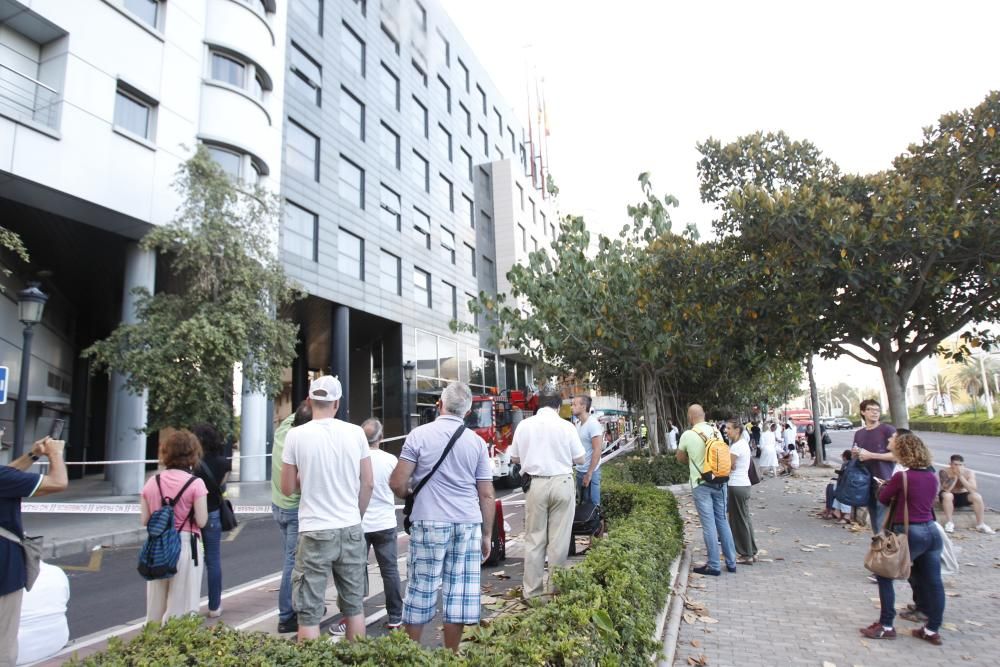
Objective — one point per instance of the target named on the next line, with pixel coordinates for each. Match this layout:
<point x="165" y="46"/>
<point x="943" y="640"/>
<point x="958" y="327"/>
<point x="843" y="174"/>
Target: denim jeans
<point x="925" y="576"/>
<point x="384" y="542"/>
<point x="595" y="485"/>
<point x="876" y="510"/>
<point x="711" y="505"/>
<point x="211" y="535"/>
<point x="288" y="524"/>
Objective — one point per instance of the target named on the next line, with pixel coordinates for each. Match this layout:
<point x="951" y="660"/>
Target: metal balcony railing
<point x="24" y="98"/>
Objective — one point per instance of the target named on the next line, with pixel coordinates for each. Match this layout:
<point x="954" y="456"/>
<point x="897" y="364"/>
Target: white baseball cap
<point x="325" y="388"/>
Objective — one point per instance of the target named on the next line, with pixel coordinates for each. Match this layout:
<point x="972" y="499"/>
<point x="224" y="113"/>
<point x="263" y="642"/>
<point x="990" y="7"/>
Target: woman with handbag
<point x="912" y="493"/>
<point x="738" y="498"/>
<point x="213" y="470"/>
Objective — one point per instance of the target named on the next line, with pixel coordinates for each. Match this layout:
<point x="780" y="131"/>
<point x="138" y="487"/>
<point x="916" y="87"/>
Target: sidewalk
<point x="805" y="601"/>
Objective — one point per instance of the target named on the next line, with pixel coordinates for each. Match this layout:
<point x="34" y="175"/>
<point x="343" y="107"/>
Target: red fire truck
<point x="494" y="418"/>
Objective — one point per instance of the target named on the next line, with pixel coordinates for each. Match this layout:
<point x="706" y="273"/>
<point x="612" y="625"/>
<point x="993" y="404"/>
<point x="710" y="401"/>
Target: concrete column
<point x="253" y="435"/>
<point x="340" y="355"/>
<point x="127" y="411"/>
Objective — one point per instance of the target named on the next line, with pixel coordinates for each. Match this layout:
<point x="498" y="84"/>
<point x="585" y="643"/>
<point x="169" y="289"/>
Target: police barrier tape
<point x="133" y="508"/>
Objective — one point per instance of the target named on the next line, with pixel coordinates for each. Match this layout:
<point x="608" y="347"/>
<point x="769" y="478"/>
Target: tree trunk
<point x="649" y="402"/>
<point x="818" y="447"/>
<point x="895" y="390"/>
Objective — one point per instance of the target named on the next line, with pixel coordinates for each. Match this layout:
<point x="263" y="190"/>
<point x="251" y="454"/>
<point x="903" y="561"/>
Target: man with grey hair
<point x="379" y="523"/>
<point x="547" y="446"/>
<point x="328" y="460"/>
<point x="452" y="518"/>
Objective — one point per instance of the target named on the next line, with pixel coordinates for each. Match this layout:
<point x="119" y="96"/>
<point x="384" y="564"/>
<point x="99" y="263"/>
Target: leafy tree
<point x="225" y="284"/>
<point x="12" y="242"/>
<point x="880" y="267"/>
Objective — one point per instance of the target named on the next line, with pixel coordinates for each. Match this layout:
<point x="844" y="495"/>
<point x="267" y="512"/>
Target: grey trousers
<point x="739" y="520"/>
<point x="10" y="619"/>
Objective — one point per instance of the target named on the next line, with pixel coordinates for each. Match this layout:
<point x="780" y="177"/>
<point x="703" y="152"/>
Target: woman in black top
<point x="214" y="470"/>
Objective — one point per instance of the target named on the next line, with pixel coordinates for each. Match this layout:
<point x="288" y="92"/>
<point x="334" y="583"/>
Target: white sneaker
<point x="215" y="613"/>
<point x="949" y="527"/>
<point x="983" y="528"/>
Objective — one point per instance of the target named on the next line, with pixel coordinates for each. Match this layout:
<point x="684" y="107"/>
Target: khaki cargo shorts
<point x="339" y="551"/>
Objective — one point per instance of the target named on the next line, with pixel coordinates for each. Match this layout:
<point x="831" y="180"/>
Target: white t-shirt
<point x="587" y="431"/>
<point x="328" y="454"/>
<point x="789" y="436"/>
<point x="793" y="461"/>
<point x="739" y="475"/>
<point x="381" y="513"/>
<point x="546" y="444"/>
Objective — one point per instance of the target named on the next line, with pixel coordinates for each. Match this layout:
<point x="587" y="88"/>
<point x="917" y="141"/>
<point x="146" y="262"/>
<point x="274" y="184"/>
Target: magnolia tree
<point x="224" y="284"/>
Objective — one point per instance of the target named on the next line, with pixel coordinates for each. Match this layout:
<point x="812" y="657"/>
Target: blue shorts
<point x="446" y="556"/>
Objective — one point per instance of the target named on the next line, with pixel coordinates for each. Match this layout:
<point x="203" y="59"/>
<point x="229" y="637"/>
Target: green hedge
<point x="966" y="424"/>
<point x="662" y="470"/>
<point x="604" y="614"/>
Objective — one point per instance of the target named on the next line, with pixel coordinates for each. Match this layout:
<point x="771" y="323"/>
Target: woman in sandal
<point x="923" y="537"/>
<point x="738" y="498"/>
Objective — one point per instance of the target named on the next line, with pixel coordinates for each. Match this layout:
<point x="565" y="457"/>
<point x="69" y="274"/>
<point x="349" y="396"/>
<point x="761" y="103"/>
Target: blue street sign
<point x="4" y="374"/>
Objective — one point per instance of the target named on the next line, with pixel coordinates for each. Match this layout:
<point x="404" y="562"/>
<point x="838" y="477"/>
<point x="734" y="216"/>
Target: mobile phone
<point x="56" y="430"/>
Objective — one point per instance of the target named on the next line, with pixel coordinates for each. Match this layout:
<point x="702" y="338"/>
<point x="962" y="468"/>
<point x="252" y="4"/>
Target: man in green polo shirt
<point x="286" y="515"/>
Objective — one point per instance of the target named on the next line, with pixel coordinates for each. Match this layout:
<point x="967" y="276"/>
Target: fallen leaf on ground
<point x="690" y="617"/>
<point x="953" y="594"/>
<point x="827" y="663"/>
<point x="807" y="574"/>
<point x="975" y="623"/>
<point x="950" y="626"/>
<point x="699" y="661"/>
<point x="488" y="599"/>
<point x="707" y="619"/>
<point x="806" y="549"/>
<point x="779" y="558"/>
<point x="695" y="643"/>
<point x="821" y="545"/>
<point x="865" y="644"/>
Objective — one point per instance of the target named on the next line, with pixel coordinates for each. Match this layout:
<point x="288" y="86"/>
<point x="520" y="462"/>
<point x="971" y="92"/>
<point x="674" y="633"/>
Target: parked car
<point x="841" y="424"/>
<point x="827" y="422"/>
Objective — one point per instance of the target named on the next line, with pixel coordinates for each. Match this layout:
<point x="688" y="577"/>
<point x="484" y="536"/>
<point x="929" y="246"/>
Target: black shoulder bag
<point x="227" y="517"/>
<point x="408" y="501"/>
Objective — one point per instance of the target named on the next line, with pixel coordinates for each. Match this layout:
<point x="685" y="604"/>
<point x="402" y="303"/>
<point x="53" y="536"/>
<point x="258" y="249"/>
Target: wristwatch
<point x="34" y="457"/>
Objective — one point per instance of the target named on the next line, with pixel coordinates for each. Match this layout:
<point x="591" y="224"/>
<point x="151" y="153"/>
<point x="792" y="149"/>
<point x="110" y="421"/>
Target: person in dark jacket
<point x="214" y="470"/>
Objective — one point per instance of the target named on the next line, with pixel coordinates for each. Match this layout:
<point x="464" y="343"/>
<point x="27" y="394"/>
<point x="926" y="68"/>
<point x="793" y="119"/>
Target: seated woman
<point x="834" y="509"/>
<point x="790" y="461"/>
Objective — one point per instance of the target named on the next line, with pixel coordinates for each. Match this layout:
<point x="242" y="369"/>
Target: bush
<point x="965" y="424"/>
<point x="605" y="612"/>
<point x="662" y="470"/>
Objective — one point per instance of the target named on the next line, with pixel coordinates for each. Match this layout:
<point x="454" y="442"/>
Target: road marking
<point x="96" y="556"/>
<point x="978" y="472"/>
<point x="234" y="532"/>
<point x="985" y="454"/>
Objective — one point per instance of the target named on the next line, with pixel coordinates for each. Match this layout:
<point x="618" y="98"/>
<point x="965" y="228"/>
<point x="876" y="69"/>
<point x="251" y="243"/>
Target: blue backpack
<point x="854" y="486"/>
<point x="162" y="548"/>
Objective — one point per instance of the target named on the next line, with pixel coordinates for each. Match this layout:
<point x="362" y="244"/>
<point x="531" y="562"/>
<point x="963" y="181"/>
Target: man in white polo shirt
<point x="328" y="459"/>
<point x="547" y="446"/>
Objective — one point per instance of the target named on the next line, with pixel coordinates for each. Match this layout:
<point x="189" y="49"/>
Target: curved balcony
<point x="244" y="29"/>
<point x="231" y="115"/>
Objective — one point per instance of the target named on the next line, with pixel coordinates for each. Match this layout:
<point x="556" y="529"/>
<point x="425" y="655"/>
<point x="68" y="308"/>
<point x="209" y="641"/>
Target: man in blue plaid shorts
<point x="452" y="518"/>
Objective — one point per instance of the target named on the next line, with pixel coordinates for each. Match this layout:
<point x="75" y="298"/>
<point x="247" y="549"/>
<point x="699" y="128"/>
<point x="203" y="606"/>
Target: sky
<point x="634" y="85"/>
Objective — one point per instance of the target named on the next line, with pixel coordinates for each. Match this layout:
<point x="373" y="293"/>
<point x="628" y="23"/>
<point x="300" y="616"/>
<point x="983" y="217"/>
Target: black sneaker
<point x="291" y="625"/>
<point x="705" y="569"/>
<point x="730" y="568"/>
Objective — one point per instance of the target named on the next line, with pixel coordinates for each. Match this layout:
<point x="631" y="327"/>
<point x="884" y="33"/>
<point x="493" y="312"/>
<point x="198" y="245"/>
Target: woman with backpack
<point x="213" y="470"/>
<point x="177" y="594"/>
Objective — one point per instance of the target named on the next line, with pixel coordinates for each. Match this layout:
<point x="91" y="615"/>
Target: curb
<point x="56" y="548"/>
<point x="676" y="605"/>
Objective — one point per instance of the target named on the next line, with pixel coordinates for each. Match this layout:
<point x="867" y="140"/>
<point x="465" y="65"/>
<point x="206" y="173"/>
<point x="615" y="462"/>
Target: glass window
<point x="513" y="142"/>
<point x="448" y="244"/>
<point x="228" y="70"/>
<point x="489" y="368"/>
<point x="468" y="164"/>
<point x="427" y="352"/>
<point x="484" y="177"/>
<point x="499" y="122"/>
<point x="389" y="273"/>
<point x="488" y="266"/>
<point x="471" y="254"/>
<point x="474" y="362"/>
<point x="419" y="16"/>
<point x="147" y="10"/>
<point x="467" y="118"/>
<point x="467" y="315"/>
<point x="524" y="237"/>
<point x="447" y="193"/>
<point x="445" y="49"/>
<point x="391" y="205"/>
<point x="520" y="194"/>
<point x="391" y="37"/>
<point x="389" y="87"/>
<point x="300" y="231"/>
<point x="524" y="159"/>
<point x="419" y="118"/>
<point x="487" y="222"/>
<point x="352" y="51"/>
<point x="311" y="11"/>
<point x="445" y="94"/>
<point x="465" y="74"/>
<point x="350" y="254"/>
<point x="302" y="150"/>
<point x="132" y="114"/>
<point x="421" y="172"/>
<point x="230" y="161"/>
<point x="422" y="290"/>
<point x="308" y="78"/>
<point x="444" y="142"/>
<point x="448" y="351"/>
<point x="498" y="151"/>
<point x="422" y="224"/>
<point x="534" y="242"/>
<point x="485" y="141"/>
<point x="390" y="146"/>
<point x="351" y="182"/>
<point x="470" y="211"/>
<point x="421" y="74"/>
<point x="534" y="212"/>
<point x="482" y="98"/>
<point x="362" y="5"/>
<point x="352" y="114"/>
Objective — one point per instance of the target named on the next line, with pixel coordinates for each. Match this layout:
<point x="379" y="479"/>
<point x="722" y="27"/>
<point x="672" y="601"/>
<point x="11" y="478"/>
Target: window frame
<point x="343" y="232"/>
<point x="314" y="255"/>
<point x="316" y="156"/>
<point x="133" y="95"/>
<point x="345" y="95"/>
<point x="362" y="71"/>
<point x="344" y="160"/>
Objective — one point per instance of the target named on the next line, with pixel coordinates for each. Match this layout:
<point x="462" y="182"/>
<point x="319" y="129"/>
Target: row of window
<point x="151" y="11"/>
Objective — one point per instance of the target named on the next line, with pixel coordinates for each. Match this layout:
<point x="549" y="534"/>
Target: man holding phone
<point x="871" y="446"/>
<point x="16" y="483"/>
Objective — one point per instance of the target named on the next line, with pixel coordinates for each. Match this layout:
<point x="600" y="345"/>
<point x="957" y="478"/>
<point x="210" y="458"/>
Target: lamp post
<point x="30" y="304"/>
<point x="408" y="369"/>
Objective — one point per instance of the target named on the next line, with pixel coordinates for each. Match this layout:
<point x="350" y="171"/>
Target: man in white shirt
<point x="379" y="523"/>
<point x="328" y="460"/>
<point x="547" y="446"/>
<point x="588" y="474"/>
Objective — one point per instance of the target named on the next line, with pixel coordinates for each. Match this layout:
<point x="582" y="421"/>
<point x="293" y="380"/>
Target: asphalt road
<point x="114" y="593"/>
<point x="982" y="455"/>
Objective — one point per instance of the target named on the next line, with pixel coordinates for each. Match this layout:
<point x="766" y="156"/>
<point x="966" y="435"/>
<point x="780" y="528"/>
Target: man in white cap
<point x="327" y="459"/>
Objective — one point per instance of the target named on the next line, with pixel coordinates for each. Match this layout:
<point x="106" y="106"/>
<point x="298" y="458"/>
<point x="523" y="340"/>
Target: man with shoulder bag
<point x="20" y="555"/>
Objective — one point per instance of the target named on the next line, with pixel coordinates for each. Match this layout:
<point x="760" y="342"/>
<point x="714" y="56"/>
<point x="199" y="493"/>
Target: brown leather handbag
<point x="889" y="553"/>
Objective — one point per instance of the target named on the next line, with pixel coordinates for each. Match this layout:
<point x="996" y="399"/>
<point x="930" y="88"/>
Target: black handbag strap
<point x="216" y="489"/>
<point x="444" y="454"/>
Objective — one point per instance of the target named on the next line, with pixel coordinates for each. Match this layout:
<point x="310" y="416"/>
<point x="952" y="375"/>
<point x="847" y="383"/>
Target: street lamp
<point x="408" y="369"/>
<point x="30" y="304"/>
